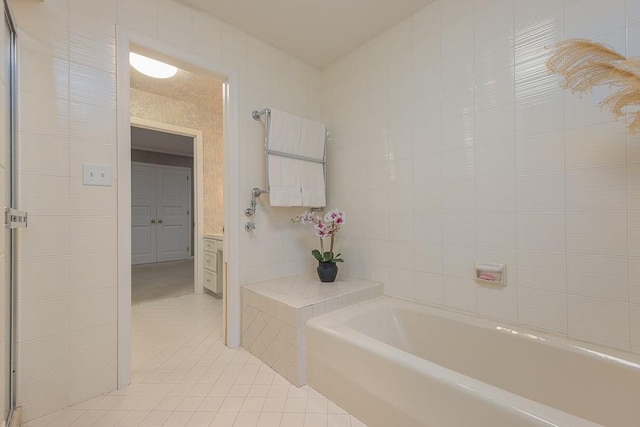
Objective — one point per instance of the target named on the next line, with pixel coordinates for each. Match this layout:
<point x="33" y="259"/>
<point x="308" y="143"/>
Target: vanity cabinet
<point x="212" y="264"/>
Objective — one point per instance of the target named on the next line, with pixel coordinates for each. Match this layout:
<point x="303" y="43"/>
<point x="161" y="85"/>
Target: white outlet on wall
<point x="96" y="174"/>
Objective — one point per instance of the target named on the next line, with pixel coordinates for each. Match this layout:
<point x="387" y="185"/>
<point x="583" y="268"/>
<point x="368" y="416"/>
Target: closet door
<point x="174" y="224"/>
<point x="143" y="214"/>
<point x="160" y="213"/>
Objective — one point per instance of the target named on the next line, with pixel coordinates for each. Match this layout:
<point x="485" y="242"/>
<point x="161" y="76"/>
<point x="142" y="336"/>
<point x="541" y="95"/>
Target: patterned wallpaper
<point x="196" y="113"/>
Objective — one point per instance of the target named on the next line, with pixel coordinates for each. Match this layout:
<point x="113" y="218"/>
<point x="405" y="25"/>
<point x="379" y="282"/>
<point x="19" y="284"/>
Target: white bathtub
<point x="395" y="363"/>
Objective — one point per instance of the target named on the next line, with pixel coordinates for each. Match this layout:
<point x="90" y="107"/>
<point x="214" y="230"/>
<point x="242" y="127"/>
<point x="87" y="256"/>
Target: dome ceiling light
<point x="151" y="67"/>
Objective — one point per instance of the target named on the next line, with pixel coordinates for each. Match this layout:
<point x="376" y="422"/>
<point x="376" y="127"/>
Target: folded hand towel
<point x="312" y="139"/>
<point x="284" y="132"/>
<point x="313" y="185"/>
<point x="284" y="181"/>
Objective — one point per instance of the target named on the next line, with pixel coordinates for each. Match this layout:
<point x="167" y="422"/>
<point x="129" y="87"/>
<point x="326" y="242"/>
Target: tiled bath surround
<point x="452" y="143"/>
<point x="274" y="314"/>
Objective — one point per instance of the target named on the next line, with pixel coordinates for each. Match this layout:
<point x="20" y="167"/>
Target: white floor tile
<point x="63" y="418"/>
<point x="89" y="418"/>
<point x="169" y="403"/>
<point x="155" y="418"/>
<point x="239" y="390"/>
<point x="201" y="419"/>
<point x="231" y="404"/>
<point x="274" y="404"/>
<point x="247" y="419"/>
<point x="253" y="404"/>
<point x="133" y="418"/>
<point x="178" y="419"/>
<point x="190" y="403"/>
<point x="278" y="390"/>
<point x="269" y="419"/>
<point x="111" y="418"/>
<point x="183" y="375"/>
<point x="315" y="420"/>
<point x="200" y="390"/>
<point x="295" y="404"/>
<point x="339" y="420"/>
<point x="224" y="419"/>
<point x="317" y="405"/>
<point x="292" y="420"/>
<point x="211" y="403"/>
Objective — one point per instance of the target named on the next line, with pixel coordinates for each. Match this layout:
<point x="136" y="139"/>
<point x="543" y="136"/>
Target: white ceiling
<point x="318" y="32"/>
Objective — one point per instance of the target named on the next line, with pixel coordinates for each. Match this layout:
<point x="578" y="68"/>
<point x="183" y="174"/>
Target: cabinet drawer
<point x="209" y="245"/>
<point x="210" y="261"/>
<point x="210" y="280"/>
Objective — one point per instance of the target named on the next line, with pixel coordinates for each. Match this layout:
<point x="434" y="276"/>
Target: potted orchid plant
<point x="326" y="228"/>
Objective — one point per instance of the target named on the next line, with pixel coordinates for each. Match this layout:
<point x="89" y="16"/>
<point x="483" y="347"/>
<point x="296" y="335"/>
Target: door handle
<point x="153" y="221"/>
<point x="159" y="221"/>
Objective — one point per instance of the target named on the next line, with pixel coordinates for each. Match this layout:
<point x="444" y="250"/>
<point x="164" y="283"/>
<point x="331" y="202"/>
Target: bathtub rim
<point x="333" y="323"/>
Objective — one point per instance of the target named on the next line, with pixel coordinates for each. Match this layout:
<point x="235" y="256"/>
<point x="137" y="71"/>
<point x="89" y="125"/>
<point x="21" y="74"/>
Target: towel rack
<point x="257" y="115"/>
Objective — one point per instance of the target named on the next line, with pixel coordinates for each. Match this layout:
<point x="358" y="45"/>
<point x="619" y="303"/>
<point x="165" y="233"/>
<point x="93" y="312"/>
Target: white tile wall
<point x="599" y="320"/>
<point x="635" y="328"/>
<point x="67" y="117"/>
<point x="507" y="166"/>
<point x="541" y="309"/>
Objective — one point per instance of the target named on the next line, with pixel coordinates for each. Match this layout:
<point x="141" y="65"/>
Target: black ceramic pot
<point x="327" y="271"/>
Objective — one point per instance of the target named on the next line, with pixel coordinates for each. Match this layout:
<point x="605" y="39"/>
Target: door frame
<point x="14" y="412"/>
<point x="231" y="243"/>
<point x="191" y="194"/>
<point x="198" y="185"/>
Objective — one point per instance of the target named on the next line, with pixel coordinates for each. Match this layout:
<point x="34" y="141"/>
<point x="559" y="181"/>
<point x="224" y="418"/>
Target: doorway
<point x="230" y="267"/>
<point x="166" y="145"/>
<point x="163" y="223"/>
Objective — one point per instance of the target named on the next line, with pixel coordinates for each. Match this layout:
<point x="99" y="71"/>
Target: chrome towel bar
<point x="257" y="115"/>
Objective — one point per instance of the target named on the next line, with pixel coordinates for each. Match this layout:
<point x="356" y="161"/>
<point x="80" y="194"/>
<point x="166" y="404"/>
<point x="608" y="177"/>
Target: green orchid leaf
<point x="317" y="255"/>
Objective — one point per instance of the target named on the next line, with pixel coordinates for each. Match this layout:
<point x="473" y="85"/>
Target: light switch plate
<point x="96" y="174"/>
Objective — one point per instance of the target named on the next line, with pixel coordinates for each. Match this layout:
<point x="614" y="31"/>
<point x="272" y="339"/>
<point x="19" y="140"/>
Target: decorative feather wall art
<point x="585" y="64"/>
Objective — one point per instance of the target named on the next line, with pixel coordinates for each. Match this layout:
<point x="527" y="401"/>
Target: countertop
<point x="303" y="290"/>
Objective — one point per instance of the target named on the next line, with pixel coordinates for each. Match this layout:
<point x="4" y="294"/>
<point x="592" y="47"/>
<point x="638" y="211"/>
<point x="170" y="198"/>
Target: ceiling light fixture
<point x="151" y="67"/>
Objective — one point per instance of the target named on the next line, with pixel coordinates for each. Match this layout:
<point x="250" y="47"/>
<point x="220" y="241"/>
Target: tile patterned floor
<point x="183" y="375"/>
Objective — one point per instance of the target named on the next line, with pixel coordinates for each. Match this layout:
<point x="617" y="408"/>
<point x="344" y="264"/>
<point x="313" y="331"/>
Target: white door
<point x="173" y="224"/>
<point x="143" y="214"/>
<point x="160" y="213"/>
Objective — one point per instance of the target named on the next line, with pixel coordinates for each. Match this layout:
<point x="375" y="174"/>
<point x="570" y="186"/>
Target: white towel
<point x="284" y="132"/>
<point x="284" y="181"/>
<point x="312" y="137"/>
<point x="313" y="185"/>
